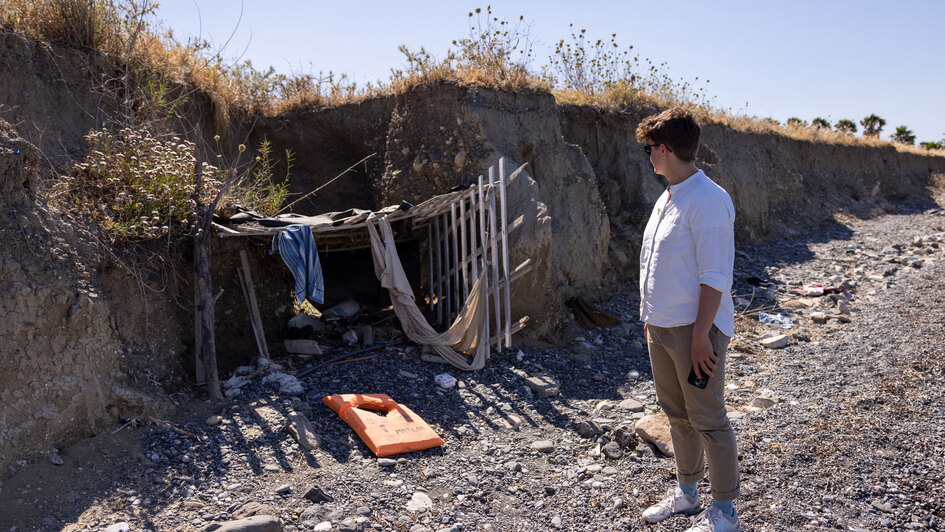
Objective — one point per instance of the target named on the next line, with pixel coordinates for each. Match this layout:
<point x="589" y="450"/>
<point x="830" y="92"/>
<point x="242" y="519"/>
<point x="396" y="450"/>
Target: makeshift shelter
<point x="468" y="274"/>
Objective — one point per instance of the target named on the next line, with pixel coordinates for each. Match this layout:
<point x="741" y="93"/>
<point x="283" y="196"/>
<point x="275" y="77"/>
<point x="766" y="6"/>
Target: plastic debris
<point x="287" y="383"/>
<point x="776" y="319"/>
<point x="344" y="310"/>
<point x="445" y="380"/>
<point x="350" y="337"/>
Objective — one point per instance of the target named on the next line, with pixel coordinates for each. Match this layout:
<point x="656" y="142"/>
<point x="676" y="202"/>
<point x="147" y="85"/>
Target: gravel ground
<point x="842" y="429"/>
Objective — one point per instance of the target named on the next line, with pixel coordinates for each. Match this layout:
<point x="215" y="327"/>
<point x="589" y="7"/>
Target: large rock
<point x="256" y="523"/>
<point x="566" y="228"/>
<point x="654" y="429"/>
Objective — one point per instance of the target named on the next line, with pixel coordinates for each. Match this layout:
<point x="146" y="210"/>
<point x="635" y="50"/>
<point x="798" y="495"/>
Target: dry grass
<point x="496" y="55"/>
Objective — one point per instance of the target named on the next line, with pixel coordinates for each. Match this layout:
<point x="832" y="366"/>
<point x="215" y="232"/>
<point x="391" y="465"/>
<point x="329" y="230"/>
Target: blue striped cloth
<point x="297" y="247"/>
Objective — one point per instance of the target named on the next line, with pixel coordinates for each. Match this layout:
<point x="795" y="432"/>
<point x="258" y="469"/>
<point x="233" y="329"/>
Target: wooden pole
<point x="505" y="255"/>
<point x="202" y="279"/>
<point x="494" y="254"/>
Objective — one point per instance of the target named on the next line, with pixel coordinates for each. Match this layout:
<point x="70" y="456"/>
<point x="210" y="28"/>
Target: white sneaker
<point x="676" y="502"/>
<point x="714" y="520"/>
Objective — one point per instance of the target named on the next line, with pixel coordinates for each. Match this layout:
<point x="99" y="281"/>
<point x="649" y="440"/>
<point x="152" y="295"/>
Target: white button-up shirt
<point x="689" y="240"/>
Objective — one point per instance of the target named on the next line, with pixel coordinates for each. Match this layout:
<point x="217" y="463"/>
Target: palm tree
<point x="846" y="126"/>
<point x="904" y="136"/>
<point x="872" y="125"/>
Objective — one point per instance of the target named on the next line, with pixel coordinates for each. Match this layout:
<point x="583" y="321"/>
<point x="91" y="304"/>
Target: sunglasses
<point x="648" y="148"/>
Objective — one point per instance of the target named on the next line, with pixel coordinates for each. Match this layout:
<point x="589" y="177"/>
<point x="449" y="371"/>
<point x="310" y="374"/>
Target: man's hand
<point x="703" y="359"/>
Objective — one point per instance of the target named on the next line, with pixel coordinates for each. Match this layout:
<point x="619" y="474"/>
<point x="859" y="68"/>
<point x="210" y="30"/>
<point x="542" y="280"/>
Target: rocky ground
<point x="842" y="428"/>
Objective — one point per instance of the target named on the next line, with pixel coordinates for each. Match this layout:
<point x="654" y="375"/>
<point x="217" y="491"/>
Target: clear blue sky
<point x="835" y="59"/>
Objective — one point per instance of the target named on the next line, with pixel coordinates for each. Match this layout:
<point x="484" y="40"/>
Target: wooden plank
<point x="472" y="235"/>
<point x="463" y="245"/>
<point x="439" y="272"/>
<point x="251" y="290"/>
<point x="482" y="238"/>
<point x="252" y="320"/>
<point x="516" y="327"/>
<point x="457" y="296"/>
<point x="505" y="253"/>
<point x="494" y="257"/>
<point x="446" y="272"/>
<point x="430" y="279"/>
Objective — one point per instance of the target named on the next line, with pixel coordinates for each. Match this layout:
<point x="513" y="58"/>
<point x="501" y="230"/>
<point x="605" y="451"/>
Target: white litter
<point x="445" y="380"/>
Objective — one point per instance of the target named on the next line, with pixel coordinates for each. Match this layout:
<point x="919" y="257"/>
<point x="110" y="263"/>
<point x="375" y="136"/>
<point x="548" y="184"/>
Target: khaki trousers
<point x="697" y="417"/>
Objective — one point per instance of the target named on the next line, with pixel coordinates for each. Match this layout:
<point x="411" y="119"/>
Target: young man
<point x="686" y="306"/>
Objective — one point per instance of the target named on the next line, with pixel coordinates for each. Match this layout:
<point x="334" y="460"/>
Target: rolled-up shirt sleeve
<point x="712" y="232"/>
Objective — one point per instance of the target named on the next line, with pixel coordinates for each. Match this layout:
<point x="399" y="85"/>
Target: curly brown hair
<point x="676" y="128"/>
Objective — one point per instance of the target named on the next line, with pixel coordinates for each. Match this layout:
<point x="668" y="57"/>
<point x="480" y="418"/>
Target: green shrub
<point x="820" y="123"/>
<point x="932" y="145"/>
<point x="796" y="122"/>
<point x="904" y="135"/>
<point x="263" y="194"/>
<point x="136" y="186"/>
<point x="846" y="125"/>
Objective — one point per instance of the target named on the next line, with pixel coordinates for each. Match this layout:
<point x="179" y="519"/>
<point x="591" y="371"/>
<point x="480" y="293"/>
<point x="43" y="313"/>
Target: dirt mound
<point x="63" y="362"/>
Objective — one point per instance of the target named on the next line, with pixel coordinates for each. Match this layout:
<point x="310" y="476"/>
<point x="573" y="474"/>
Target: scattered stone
<point x="302" y="430"/>
<point x="407" y="374"/>
<point x="303" y="320"/>
<point x="386" y="462"/>
<point x="284" y="489"/>
<point x="843" y="307"/>
<point x="256" y="523"/>
<point x="324" y="526"/>
<point x="213" y="420"/>
<point x="119" y="527"/>
<point x="882" y="506"/>
<point x="801" y="336"/>
<point x="630" y="405"/>
<point x="763" y="402"/>
<point x="511" y="422"/>
<point x="588" y="429"/>
<point x="301" y="346"/>
<point x="543" y="446"/>
<point x="266" y="414"/>
<point x="612" y="450"/>
<point x="654" y="429"/>
<point x="55" y="459"/>
<point x="777" y="341"/>
<point x="543" y="385"/>
<point x="318" y="495"/>
<point x="419" y="502"/>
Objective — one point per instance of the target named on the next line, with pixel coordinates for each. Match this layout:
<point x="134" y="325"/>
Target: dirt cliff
<point x="89" y="336"/>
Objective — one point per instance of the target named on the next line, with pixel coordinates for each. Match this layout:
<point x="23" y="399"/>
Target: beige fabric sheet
<point x="464" y="344"/>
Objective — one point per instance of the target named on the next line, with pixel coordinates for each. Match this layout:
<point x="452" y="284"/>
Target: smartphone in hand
<point x="698" y="382"/>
